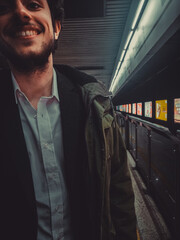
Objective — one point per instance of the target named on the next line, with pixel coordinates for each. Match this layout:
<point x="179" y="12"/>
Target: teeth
<point x="26" y="33"/>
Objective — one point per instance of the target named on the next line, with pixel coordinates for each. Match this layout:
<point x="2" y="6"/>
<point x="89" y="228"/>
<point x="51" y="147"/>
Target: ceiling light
<point x="138" y="13"/>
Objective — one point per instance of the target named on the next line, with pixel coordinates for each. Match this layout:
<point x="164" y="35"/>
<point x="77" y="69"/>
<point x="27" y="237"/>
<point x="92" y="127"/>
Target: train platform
<point x="150" y="223"/>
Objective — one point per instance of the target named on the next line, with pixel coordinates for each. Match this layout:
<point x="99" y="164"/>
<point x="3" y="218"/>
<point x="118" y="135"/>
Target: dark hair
<point x="57" y="13"/>
<point x="57" y="10"/>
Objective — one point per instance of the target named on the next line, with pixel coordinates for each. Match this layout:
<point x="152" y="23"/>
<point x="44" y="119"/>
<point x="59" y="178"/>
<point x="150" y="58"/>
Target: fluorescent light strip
<point x="122" y="55"/>
<point x="141" y="4"/>
<point x="138" y="13"/>
<point x="128" y="39"/>
<point x="118" y="67"/>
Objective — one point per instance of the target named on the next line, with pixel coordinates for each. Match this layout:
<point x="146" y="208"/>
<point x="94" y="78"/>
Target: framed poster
<point x="148" y="109"/>
<point x="139" y="109"/>
<point x="161" y="110"/>
<point x="177" y="110"/>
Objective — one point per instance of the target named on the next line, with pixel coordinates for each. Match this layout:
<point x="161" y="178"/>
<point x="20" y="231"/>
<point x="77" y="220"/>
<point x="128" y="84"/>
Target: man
<point x="63" y="164"/>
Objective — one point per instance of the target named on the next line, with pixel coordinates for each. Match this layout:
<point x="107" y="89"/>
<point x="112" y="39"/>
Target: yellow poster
<point x="161" y="110"/>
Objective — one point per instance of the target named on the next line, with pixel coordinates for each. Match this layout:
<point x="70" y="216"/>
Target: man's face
<point x="26" y="30"/>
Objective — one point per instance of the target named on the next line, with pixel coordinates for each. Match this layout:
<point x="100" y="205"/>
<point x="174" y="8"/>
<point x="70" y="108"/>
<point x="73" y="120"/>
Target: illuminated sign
<point x="134" y="108"/>
<point x="161" y="110"/>
<point x="148" y="109"/>
<point x="177" y="110"/>
<point x="139" y="109"/>
<point x="122" y="108"/>
<point x="129" y="108"/>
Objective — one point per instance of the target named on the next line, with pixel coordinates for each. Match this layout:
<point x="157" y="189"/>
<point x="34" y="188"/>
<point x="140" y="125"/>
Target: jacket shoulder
<point x="88" y="83"/>
<point x="75" y="75"/>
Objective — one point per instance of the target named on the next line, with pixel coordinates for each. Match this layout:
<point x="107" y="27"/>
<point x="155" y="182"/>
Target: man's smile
<point x="27" y="31"/>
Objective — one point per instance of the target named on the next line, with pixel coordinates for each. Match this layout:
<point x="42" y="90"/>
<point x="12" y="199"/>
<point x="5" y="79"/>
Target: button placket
<point x="42" y="124"/>
<point x="50" y="165"/>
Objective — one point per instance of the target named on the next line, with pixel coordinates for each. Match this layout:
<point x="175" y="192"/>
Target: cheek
<point x="49" y="27"/>
<point x="46" y="18"/>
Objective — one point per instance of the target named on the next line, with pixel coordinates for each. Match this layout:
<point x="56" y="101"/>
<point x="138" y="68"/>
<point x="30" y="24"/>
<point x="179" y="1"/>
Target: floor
<point x="150" y="223"/>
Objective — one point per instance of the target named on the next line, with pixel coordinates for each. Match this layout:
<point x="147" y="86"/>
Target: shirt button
<point x="58" y="209"/>
<point x="45" y="145"/>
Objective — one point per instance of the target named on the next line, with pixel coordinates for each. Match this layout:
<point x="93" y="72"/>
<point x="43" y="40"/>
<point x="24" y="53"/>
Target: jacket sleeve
<point x="121" y="192"/>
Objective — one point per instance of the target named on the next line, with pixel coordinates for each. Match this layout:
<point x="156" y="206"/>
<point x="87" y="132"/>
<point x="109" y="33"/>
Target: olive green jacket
<point x="107" y="153"/>
<point x="107" y="160"/>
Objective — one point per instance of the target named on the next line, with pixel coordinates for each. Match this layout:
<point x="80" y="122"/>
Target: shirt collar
<point x="54" y="86"/>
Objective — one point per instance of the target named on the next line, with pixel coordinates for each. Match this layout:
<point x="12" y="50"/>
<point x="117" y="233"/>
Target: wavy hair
<point x="57" y="10"/>
<point x="57" y="13"/>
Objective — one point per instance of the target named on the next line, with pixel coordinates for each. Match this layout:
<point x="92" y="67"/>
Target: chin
<point x="29" y="60"/>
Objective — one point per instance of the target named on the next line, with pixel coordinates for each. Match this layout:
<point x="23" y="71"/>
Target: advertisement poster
<point x="123" y="108"/>
<point x="129" y="108"/>
<point x="177" y="110"/>
<point x="139" y="109"/>
<point x="161" y="110"/>
<point x="148" y="109"/>
<point x="134" y="108"/>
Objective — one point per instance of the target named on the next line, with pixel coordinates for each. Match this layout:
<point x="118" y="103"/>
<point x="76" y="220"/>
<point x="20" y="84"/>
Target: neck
<point x="37" y="83"/>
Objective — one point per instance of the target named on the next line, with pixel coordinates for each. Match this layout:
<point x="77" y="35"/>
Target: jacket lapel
<point x="72" y="125"/>
<point x="12" y="129"/>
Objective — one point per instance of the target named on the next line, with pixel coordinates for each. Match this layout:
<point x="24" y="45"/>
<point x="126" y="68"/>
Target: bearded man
<point x="63" y="164"/>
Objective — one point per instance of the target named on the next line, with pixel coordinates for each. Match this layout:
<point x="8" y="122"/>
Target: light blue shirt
<point x="43" y="135"/>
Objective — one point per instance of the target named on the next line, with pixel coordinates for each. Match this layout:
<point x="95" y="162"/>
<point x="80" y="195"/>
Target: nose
<point x="21" y="11"/>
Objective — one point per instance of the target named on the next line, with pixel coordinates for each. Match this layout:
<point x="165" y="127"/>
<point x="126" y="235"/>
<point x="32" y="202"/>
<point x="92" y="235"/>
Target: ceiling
<point x="91" y="43"/>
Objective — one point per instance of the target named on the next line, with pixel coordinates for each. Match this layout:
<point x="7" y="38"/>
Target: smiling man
<point x="27" y="34"/>
<point x="63" y="166"/>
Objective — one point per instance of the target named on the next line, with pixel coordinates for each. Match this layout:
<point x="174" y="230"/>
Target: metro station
<point x="133" y="48"/>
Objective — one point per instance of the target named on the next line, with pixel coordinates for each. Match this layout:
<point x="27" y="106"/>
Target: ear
<point x="57" y="29"/>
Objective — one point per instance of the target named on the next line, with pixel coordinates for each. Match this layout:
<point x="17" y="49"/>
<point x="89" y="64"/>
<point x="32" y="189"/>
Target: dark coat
<point x="101" y="197"/>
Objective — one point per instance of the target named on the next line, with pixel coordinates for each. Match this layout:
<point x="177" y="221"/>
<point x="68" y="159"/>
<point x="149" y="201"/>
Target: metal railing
<point x="156" y="152"/>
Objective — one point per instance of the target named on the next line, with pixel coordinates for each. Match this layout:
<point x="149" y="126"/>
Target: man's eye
<point x="34" y="6"/>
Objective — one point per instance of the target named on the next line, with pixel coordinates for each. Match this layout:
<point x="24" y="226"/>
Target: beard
<point x="28" y="62"/>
